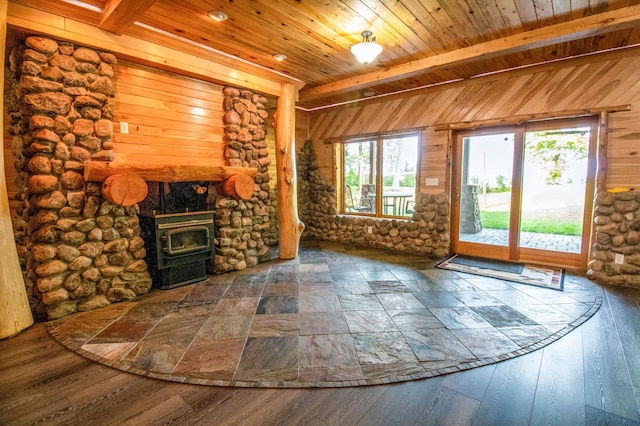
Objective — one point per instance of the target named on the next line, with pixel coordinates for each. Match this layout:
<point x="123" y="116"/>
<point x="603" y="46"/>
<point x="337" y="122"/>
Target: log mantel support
<point x="124" y="183"/>
<point x="290" y="226"/>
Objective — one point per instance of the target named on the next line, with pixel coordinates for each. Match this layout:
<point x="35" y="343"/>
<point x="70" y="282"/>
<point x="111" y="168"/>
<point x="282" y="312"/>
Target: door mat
<point x="541" y="276"/>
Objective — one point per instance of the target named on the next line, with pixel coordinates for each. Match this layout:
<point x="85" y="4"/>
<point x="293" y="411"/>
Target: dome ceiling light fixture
<point x="217" y="15"/>
<point x="279" y="56"/>
<point x="367" y="50"/>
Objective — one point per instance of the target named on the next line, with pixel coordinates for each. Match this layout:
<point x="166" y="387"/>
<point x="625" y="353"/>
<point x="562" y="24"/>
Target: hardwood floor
<point x="591" y="376"/>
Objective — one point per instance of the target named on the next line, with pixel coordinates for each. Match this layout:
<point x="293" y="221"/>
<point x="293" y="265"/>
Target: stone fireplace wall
<point x="426" y="233"/>
<point x="79" y="251"/>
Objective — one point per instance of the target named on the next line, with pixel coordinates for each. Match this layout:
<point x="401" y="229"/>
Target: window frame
<point x="378" y="140"/>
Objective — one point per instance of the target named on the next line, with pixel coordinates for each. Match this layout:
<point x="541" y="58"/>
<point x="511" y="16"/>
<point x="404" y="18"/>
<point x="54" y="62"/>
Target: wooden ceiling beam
<point x="589" y="26"/>
<point x="119" y="15"/>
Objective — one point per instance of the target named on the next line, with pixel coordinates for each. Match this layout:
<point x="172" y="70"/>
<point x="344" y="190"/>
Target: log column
<point x="15" y="313"/>
<point x="601" y="154"/>
<point x="290" y="226"/>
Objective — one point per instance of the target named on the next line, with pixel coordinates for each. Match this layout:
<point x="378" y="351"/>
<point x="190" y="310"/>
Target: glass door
<point x="484" y="191"/>
<point x="554" y="184"/>
<point x="523" y="193"/>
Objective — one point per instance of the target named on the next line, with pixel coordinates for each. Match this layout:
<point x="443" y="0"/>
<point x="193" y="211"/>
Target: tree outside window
<point x="555" y="149"/>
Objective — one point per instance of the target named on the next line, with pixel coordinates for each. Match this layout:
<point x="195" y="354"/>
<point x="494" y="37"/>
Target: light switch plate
<point x="124" y="127"/>
<point x="619" y="258"/>
<point x="431" y="182"/>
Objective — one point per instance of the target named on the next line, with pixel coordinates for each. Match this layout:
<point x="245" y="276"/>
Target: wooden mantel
<point x="98" y="171"/>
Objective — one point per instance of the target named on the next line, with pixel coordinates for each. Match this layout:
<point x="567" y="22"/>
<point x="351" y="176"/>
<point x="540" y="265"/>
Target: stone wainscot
<point x="616" y="249"/>
<point x="427" y="232"/>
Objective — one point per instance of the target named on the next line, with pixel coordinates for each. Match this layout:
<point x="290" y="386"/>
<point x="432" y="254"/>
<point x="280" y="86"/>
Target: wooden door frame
<point x="574" y="261"/>
<point x="472" y="249"/>
<point x="513" y="252"/>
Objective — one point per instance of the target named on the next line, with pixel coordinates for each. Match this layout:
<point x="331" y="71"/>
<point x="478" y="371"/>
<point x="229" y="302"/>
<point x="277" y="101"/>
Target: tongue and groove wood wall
<point x="598" y="81"/>
<point x="170" y="118"/>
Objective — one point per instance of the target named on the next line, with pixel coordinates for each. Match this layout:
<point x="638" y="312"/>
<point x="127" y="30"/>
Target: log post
<point x="601" y="154"/>
<point x="290" y="226"/>
<point x="15" y="313"/>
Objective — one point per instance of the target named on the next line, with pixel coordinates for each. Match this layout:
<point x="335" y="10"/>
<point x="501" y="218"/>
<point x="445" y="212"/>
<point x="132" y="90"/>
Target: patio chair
<point x="353" y="204"/>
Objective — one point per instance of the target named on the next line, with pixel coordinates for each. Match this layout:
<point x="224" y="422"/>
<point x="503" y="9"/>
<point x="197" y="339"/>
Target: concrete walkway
<point x="534" y="240"/>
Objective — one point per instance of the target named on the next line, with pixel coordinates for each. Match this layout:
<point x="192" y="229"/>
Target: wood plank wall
<point x="170" y="117"/>
<point x="593" y="82"/>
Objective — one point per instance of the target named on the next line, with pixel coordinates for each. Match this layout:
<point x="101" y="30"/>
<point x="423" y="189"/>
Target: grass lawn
<point x="500" y="220"/>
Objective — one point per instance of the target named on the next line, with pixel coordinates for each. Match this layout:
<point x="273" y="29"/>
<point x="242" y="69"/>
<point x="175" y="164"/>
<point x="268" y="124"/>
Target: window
<point x="378" y="174"/>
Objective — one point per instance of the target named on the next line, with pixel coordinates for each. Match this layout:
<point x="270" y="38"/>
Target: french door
<point x="524" y="193"/>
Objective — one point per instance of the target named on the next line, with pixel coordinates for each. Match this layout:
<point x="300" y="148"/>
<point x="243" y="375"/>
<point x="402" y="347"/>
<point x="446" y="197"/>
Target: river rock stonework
<point x="617" y="233"/>
<point x="79" y="251"/>
<point x="426" y="233"/>
<point x="243" y="227"/>
<point x="470" y="222"/>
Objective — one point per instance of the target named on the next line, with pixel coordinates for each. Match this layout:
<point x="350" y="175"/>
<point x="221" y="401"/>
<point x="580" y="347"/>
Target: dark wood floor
<point x="591" y="376"/>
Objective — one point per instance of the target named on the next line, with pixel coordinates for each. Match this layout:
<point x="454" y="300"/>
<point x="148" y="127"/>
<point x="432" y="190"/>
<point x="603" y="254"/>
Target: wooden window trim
<point x="528" y="118"/>
<point x="377" y="139"/>
<point x="365" y="136"/>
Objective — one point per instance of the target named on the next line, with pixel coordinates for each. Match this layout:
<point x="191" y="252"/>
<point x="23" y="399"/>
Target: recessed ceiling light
<point x="279" y="56"/>
<point x="217" y="15"/>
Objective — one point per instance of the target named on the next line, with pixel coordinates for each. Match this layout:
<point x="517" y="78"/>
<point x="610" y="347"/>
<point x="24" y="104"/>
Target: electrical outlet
<point x="431" y="182"/>
<point x="124" y="127"/>
<point x="619" y="258"/>
<point x="369" y="229"/>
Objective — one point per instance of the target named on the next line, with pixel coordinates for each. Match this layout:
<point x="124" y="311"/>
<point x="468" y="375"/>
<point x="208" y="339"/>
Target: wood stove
<point x="178" y="245"/>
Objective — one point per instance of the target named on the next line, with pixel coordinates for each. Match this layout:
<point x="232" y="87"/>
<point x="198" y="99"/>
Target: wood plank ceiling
<point x="425" y="42"/>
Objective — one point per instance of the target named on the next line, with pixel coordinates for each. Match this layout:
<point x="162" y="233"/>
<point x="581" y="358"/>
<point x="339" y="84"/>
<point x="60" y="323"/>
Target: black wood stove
<point x="178" y="245"/>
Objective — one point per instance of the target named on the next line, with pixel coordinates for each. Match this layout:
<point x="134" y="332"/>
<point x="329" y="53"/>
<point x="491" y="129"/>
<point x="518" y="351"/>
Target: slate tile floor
<point x="338" y="315"/>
